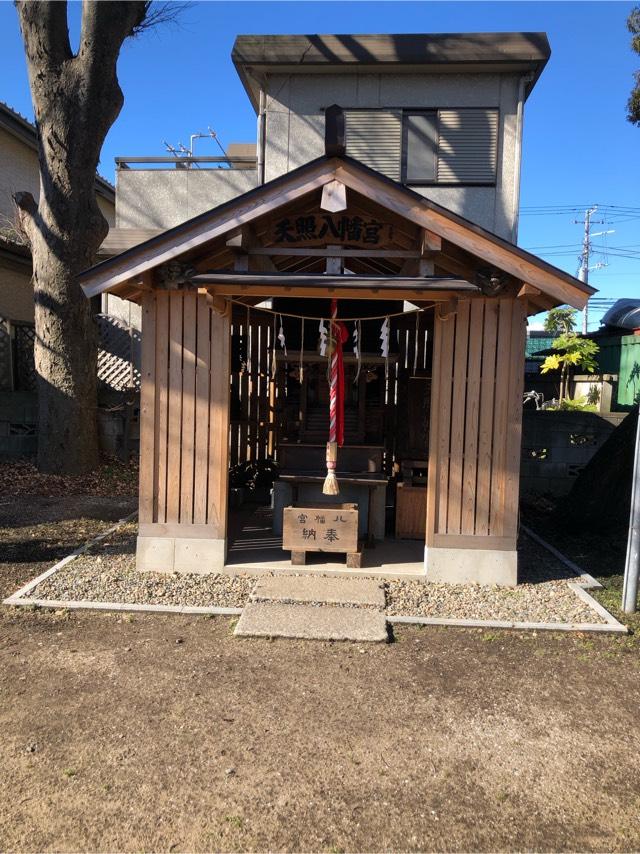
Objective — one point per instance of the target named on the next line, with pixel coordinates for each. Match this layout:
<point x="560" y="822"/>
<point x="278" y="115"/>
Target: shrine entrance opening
<point x="279" y="429"/>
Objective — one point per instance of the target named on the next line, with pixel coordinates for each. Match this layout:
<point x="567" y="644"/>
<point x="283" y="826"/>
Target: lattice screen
<point x="26" y="379"/>
<point x="6" y="370"/>
<point x="118" y="354"/>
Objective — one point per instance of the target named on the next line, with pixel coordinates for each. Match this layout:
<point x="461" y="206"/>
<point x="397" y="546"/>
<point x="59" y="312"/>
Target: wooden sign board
<point x="328" y="528"/>
<point x="329" y="229"/>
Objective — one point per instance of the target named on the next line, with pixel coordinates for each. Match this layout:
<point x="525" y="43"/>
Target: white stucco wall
<point x="19" y="172"/>
<point x="295" y="126"/>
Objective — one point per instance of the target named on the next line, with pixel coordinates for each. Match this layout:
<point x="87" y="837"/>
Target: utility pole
<point x="583" y="271"/>
<point x="632" y="563"/>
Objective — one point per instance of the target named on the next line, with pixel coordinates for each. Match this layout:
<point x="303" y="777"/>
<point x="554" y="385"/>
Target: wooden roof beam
<point x="467" y="236"/>
<point x="266" y="291"/>
<point x="332" y="251"/>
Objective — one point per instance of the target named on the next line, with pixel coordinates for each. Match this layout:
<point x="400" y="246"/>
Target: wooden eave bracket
<point x="221" y="305"/>
<point x="527" y="291"/>
<point x="429" y="243"/>
<point x="241" y="243"/>
<point x="448" y="308"/>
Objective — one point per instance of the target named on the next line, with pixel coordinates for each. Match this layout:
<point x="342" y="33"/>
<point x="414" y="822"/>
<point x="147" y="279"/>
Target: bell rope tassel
<point x="338" y="336"/>
<point x="331" y="486"/>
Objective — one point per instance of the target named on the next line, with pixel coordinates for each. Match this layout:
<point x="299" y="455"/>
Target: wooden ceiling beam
<point x="333" y="251"/>
<point x="266" y="291"/>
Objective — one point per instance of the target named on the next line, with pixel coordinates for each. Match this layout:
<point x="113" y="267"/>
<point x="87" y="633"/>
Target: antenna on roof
<point x="188" y="154"/>
<point x="214" y="135"/>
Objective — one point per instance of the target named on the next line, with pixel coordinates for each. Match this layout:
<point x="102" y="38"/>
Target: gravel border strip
<point x="123" y="606"/>
<point x="611" y="625"/>
<point x="589" y="580"/>
<point x="30" y="585"/>
<point x="580" y="589"/>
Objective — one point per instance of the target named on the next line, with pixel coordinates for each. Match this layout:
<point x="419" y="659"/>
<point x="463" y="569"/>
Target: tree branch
<point x="106" y="24"/>
<point x="161" y="13"/>
<point x="27" y="213"/>
<point x="45" y="31"/>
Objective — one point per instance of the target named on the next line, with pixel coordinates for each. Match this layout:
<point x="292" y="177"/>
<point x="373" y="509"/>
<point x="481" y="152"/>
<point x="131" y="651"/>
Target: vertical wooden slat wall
<point x="253" y="391"/>
<point x="184" y="448"/>
<point x="475" y="430"/>
<point x="252" y="421"/>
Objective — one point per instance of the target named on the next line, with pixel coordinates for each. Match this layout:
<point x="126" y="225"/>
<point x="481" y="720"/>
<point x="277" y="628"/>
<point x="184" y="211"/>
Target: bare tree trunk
<point x="76" y="99"/>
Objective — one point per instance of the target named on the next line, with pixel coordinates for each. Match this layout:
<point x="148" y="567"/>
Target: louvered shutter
<point x="374" y="137"/>
<point x="467" y="146"/>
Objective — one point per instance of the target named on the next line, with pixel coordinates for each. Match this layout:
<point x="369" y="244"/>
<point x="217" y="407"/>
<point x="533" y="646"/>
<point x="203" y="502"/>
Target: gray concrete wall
<point x="556" y="445"/>
<point x="163" y="198"/>
<point x="295" y="127"/>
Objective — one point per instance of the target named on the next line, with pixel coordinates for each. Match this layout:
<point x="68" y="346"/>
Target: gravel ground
<point x="107" y="573"/>
<point x="548" y="602"/>
<point x="542" y="595"/>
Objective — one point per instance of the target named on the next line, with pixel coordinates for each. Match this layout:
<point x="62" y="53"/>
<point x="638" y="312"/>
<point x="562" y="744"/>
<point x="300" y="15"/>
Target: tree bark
<point x="76" y="99"/>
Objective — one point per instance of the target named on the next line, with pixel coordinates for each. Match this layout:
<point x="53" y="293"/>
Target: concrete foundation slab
<point x="310" y="588"/>
<point x="180" y="554"/>
<point x="472" y="566"/>
<point x="324" y="622"/>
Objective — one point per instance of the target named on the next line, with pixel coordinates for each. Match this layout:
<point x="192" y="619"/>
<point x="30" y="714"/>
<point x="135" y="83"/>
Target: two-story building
<point x="19" y="172"/>
<point x="344" y="302"/>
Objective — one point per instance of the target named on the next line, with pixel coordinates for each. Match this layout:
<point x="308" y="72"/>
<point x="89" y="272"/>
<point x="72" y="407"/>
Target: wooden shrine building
<point x="232" y="302"/>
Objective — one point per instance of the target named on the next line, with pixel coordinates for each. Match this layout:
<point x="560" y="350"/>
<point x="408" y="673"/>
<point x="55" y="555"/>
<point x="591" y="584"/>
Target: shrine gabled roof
<point x="192" y="236"/>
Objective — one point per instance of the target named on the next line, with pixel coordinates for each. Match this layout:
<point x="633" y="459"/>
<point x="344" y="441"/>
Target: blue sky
<point x="578" y="147"/>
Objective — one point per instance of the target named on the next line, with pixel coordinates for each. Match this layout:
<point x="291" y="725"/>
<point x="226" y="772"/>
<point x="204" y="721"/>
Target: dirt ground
<point x="165" y="733"/>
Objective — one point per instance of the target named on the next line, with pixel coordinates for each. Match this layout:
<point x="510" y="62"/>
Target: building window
<point x="419" y="147"/>
<point x="426" y="147"/>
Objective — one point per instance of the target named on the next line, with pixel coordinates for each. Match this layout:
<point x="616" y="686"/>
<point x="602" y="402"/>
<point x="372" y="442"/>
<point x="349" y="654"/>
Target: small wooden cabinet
<point x="411" y="511"/>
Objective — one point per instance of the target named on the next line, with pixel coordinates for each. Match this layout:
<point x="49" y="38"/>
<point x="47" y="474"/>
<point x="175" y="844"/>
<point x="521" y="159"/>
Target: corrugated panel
<point x="629" y="378"/>
<point x="467" y="151"/>
<point x="374" y="137"/>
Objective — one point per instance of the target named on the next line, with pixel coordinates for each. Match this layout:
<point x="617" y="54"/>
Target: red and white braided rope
<point x="333" y="375"/>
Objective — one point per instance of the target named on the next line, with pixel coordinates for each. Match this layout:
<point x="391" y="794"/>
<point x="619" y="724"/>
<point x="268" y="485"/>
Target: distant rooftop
<point x="257" y="56"/>
<point x="24" y="130"/>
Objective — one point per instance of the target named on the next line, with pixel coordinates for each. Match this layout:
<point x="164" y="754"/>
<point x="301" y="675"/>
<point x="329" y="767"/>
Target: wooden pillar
<point x="184" y="429"/>
<point x="474" y="443"/>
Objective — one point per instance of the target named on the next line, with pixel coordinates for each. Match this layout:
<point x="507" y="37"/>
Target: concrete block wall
<point x="19" y="426"/>
<point x="557" y="445"/>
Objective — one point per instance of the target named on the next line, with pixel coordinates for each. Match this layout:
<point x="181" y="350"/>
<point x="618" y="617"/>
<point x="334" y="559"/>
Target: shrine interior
<point x="279" y="405"/>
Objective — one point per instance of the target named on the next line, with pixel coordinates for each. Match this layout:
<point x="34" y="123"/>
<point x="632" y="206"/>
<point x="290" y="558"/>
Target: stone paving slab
<point x="310" y="588"/>
<point x="317" y="622"/>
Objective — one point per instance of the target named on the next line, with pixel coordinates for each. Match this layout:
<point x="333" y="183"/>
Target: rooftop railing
<point x="171" y="162"/>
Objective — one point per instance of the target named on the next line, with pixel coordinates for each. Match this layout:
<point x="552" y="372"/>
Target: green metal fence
<point x="621" y="355"/>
